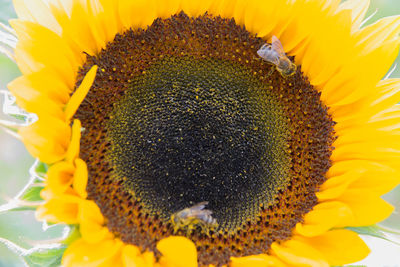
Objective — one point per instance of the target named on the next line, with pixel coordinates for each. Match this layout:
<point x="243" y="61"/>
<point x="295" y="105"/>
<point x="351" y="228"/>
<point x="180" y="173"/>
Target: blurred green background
<point x="21" y="227"/>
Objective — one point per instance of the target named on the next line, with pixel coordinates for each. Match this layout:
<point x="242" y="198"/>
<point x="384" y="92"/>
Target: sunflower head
<point x="185" y="133"/>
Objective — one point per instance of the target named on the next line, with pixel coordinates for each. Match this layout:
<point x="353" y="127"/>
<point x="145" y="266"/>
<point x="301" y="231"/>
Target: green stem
<point x="73" y="235"/>
<point x="388" y="230"/>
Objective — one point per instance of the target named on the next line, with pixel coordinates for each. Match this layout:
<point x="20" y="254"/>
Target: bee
<point x="274" y="53"/>
<point x="192" y="217"/>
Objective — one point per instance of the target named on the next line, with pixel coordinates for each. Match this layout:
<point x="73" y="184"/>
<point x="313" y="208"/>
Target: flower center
<point x="189" y="132"/>
<point x="192" y="130"/>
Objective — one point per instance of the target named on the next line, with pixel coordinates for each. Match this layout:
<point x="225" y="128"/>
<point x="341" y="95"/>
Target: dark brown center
<point x="185" y="112"/>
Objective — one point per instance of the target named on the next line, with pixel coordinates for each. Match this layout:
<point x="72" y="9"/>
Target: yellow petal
<point x="389" y="113"/>
<point x="80" y="93"/>
<point x="277" y="13"/>
<point x="80" y="178"/>
<point x="380" y="180"/>
<point x="137" y="14"/>
<point x="195" y="8"/>
<point x="239" y="10"/>
<point x="36" y="11"/>
<point x="297" y="32"/>
<point x="131" y="256"/>
<point x="358" y="10"/>
<point x="47" y="139"/>
<point x="356" y="77"/>
<point x="342" y="167"/>
<point x="178" y="251"/>
<point x="97" y="27"/>
<point x="91" y="223"/>
<point x="94" y="233"/>
<point x="223" y="8"/>
<point x="375" y="177"/>
<point x="353" y="122"/>
<point x="149" y="258"/>
<point x="335" y="186"/>
<point x="59" y="177"/>
<point x="368" y="208"/>
<point x="39" y="47"/>
<point x="339" y="247"/>
<point x="81" y="253"/>
<point x="364" y="151"/>
<point x="82" y="37"/>
<point x="363" y="135"/>
<point x="388" y="120"/>
<point x="32" y="102"/>
<point x="165" y="8"/>
<point x="260" y="260"/>
<point x="298" y="253"/>
<point x="106" y="13"/>
<point x="89" y="211"/>
<point x="374" y="35"/>
<point x="73" y="149"/>
<point x="320" y="49"/>
<point x="43" y="82"/>
<point x="61" y="209"/>
<point x="62" y="11"/>
<point x="331" y="6"/>
<point x="387" y="95"/>
<point x="37" y="96"/>
<point x="362" y="174"/>
<point x="324" y="217"/>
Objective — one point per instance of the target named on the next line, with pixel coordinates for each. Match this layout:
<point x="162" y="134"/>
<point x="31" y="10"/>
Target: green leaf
<point x="372" y="230"/>
<point x="32" y="194"/>
<point x="368" y="230"/>
<point x="51" y="257"/>
<point x="18" y="117"/>
<point x="45" y="257"/>
<point x="14" y="207"/>
<point x="74" y="234"/>
<point x="41" y="169"/>
<point x="22" y="208"/>
<point x="42" y="255"/>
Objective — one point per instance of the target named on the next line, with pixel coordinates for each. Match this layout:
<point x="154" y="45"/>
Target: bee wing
<point x="197" y="213"/>
<point x="199" y="206"/>
<point x="262" y="51"/>
<point x="277" y="45"/>
<point x="268" y="54"/>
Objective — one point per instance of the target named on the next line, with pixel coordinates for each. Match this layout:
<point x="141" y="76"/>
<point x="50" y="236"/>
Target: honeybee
<point x="274" y="53"/>
<point x="192" y="217"/>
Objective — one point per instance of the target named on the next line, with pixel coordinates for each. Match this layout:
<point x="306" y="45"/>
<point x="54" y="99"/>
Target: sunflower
<point x="170" y="142"/>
